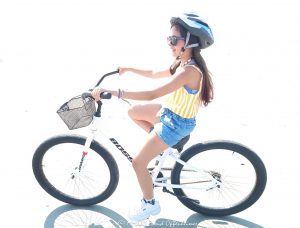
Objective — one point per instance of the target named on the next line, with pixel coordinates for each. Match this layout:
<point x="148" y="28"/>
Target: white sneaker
<point x="147" y="209"/>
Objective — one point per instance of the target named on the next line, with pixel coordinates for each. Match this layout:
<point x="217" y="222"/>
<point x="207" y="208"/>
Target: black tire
<point x="214" y="150"/>
<point x="70" y="185"/>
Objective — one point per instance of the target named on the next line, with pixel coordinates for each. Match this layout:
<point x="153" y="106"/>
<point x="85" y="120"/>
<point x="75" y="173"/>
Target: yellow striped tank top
<point x="184" y="101"/>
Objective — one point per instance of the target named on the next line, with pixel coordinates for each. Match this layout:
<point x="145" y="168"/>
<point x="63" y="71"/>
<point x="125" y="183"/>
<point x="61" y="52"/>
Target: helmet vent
<point x="198" y="21"/>
<point x="191" y="15"/>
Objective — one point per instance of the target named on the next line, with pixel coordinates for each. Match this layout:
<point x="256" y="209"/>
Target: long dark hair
<point x="207" y="90"/>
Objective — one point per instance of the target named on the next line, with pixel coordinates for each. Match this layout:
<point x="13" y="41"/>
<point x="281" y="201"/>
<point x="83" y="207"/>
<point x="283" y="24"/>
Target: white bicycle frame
<point x="208" y="182"/>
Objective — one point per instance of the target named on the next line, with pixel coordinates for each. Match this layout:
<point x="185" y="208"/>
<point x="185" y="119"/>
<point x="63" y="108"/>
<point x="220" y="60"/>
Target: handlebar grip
<point x="105" y="95"/>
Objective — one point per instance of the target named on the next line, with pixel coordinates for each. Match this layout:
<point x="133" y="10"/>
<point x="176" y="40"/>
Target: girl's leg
<point x="145" y="115"/>
<point x="153" y="146"/>
<point x="149" y="206"/>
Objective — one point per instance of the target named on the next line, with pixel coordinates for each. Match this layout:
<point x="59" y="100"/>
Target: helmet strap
<point x="186" y="46"/>
<point x="188" y="35"/>
<point x="180" y="54"/>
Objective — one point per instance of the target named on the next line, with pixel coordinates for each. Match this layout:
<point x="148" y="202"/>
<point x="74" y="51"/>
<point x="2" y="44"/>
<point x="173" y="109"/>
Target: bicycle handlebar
<point x="104" y="95"/>
<point x="105" y="75"/>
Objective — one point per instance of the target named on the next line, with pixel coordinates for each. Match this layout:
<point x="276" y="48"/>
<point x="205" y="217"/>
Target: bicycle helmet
<point x="197" y="27"/>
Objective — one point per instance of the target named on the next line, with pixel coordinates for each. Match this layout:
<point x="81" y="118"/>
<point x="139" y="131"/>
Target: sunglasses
<point x="172" y="40"/>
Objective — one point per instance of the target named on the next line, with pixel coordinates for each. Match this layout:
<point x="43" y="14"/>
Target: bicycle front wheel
<point x="240" y="172"/>
<point x="67" y="173"/>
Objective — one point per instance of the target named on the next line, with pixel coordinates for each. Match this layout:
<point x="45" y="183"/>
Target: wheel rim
<point x="236" y="173"/>
<point x="60" y="167"/>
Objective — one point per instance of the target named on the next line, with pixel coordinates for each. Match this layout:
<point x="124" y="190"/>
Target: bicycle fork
<point x="88" y="142"/>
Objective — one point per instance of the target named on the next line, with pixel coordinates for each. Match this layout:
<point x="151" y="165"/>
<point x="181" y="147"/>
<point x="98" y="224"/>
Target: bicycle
<point x="215" y="178"/>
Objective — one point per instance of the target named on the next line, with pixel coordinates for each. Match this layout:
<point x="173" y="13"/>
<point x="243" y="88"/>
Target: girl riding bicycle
<point x="189" y="88"/>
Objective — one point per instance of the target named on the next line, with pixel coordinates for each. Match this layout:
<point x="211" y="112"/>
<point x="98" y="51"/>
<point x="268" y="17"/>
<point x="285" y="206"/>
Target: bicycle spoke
<point x="63" y="174"/>
<point x="235" y="173"/>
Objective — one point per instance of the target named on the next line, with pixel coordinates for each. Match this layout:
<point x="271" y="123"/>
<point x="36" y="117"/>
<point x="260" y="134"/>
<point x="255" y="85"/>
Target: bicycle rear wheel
<point x="241" y="172"/>
<point x="65" y="173"/>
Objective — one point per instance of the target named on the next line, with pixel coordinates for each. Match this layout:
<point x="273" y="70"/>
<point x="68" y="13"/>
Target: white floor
<point x="51" y="51"/>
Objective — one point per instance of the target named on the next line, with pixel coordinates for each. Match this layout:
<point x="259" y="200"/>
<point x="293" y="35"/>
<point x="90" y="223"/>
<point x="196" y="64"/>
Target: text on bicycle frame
<point x="115" y="142"/>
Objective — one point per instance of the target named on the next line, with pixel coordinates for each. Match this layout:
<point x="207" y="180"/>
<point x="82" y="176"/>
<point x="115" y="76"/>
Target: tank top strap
<point x="192" y="63"/>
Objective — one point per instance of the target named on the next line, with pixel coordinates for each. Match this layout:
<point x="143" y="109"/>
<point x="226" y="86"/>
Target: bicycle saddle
<point x="181" y="143"/>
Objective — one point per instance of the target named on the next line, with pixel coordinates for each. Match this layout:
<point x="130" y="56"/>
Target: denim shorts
<point x="172" y="127"/>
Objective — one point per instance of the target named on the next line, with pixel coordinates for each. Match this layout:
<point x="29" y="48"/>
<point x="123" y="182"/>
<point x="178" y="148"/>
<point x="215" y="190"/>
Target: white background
<point x="52" y="50"/>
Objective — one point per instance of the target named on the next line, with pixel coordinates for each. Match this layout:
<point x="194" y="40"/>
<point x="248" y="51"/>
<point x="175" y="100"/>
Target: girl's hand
<point x="96" y="93"/>
<point x="122" y="70"/>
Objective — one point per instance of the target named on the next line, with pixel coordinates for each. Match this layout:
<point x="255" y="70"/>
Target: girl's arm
<point x="178" y="81"/>
<point x="146" y="73"/>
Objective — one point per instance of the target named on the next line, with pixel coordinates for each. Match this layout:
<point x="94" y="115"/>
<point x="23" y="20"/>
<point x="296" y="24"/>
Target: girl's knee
<point x="132" y="112"/>
<point x="138" y="164"/>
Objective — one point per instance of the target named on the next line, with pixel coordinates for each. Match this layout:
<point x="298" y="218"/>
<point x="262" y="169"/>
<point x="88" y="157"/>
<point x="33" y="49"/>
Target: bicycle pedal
<point x="161" y="180"/>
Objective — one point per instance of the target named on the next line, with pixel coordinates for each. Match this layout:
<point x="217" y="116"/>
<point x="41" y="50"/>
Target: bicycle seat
<point x="181" y="143"/>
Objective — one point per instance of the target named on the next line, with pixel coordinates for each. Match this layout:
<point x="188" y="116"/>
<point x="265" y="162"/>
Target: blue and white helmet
<point x="197" y="27"/>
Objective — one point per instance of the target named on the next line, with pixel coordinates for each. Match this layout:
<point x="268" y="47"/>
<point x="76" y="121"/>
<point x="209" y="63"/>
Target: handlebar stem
<point x="98" y="112"/>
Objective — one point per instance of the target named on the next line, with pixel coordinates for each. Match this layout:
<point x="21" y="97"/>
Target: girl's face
<point x="175" y="41"/>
